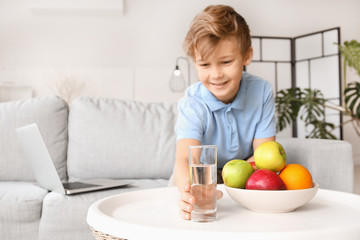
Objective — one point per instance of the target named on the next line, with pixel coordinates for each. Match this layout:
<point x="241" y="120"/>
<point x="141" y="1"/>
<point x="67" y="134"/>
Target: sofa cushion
<point x="64" y="217"/>
<point x="20" y="210"/>
<point x="329" y="161"/>
<point x="120" y="139"/>
<point x="51" y="114"/>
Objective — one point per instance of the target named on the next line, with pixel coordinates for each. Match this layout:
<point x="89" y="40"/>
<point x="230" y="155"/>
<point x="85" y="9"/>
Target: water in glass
<point x="203" y="188"/>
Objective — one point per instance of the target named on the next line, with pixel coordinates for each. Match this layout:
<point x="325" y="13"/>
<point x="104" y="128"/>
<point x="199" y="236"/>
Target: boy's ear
<point x="248" y="56"/>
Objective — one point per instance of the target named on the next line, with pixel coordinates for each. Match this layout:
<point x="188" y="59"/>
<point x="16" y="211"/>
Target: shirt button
<point x="230" y="118"/>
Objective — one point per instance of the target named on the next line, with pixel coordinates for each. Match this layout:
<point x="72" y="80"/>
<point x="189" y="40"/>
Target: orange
<point x="296" y="176"/>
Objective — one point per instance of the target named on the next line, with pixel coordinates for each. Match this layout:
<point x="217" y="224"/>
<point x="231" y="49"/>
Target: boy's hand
<point x="187" y="200"/>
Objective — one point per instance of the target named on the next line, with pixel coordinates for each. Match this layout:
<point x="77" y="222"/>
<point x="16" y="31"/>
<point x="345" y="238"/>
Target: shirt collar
<point x="240" y="98"/>
<point x="215" y="104"/>
<point x="210" y="100"/>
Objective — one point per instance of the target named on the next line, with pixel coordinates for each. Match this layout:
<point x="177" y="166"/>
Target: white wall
<point x="131" y="55"/>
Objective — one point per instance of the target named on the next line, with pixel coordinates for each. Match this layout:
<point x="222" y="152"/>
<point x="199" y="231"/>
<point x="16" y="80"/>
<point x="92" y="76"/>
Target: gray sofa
<point x="117" y="139"/>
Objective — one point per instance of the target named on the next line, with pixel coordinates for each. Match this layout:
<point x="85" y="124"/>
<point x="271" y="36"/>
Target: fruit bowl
<point x="272" y="201"/>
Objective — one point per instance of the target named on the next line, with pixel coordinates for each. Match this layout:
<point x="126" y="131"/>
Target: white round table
<point x="153" y="213"/>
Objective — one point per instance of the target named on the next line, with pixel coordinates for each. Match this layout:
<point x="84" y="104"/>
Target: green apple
<point x="270" y="155"/>
<point x="236" y="172"/>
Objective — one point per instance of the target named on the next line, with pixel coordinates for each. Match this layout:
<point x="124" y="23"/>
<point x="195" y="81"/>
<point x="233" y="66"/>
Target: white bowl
<point x="272" y="201"/>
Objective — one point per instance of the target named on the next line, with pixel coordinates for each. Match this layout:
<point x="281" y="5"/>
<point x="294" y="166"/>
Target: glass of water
<point x="203" y="172"/>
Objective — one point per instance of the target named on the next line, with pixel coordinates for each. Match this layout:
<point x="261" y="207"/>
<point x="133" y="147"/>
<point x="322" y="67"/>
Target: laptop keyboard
<point x="78" y="185"/>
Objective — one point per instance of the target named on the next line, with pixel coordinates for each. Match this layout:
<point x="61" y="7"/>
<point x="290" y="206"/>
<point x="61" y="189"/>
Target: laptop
<point x="45" y="171"/>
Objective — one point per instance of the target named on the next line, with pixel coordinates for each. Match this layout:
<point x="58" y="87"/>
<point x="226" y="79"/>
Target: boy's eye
<point x="204" y="64"/>
<point x="226" y="62"/>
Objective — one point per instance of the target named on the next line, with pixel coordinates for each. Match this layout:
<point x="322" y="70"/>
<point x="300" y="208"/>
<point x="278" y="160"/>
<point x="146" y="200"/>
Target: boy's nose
<point x="216" y="73"/>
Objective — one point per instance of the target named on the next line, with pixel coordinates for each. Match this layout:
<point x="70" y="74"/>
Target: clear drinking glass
<point x="203" y="173"/>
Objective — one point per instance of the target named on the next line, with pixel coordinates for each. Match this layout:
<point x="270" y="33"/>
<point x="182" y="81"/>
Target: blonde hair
<point x="214" y="23"/>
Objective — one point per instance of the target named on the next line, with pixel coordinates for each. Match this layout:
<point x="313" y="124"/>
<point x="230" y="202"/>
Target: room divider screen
<point x="307" y="61"/>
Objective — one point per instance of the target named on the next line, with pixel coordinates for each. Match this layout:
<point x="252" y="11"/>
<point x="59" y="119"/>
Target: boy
<point x="228" y="107"/>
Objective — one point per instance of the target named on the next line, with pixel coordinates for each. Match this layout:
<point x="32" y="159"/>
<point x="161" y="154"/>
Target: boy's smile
<point x="221" y="71"/>
<point x="219" y="85"/>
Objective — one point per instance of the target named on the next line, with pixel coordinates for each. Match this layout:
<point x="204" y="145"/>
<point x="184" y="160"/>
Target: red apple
<point x="265" y="179"/>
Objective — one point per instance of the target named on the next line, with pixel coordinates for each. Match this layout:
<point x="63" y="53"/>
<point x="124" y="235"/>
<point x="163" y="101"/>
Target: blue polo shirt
<point x="231" y="127"/>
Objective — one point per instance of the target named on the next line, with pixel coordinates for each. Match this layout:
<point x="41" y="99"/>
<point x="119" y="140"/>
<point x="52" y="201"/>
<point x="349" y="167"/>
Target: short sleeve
<point x="267" y="124"/>
<point x="191" y="119"/>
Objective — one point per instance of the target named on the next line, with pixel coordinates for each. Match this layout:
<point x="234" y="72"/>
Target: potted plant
<point x="310" y="104"/>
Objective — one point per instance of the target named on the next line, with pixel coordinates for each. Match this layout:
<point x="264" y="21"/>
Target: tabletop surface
<point x="134" y="215"/>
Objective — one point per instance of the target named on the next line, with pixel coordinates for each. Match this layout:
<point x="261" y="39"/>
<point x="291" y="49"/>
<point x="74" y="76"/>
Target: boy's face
<point x="221" y="71"/>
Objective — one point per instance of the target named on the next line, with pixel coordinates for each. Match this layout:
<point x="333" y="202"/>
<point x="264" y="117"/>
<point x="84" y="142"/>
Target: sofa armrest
<point x="329" y="161"/>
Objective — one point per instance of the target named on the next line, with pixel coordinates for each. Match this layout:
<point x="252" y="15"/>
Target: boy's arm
<point x="182" y="174"/>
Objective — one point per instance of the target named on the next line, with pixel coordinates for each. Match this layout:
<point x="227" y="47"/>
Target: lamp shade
<point x="177" y="82"/>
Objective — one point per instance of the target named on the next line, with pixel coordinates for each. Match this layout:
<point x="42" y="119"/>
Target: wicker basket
<point x="103" y="236"/>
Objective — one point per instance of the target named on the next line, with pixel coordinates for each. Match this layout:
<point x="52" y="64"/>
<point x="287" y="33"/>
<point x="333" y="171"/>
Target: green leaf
<point x="307" y="104"/>
<point x="351" y="53"/>
<point x="287" y="105"/>
<point x="352" y="98"/>
<point x="313" y="106"/>
<point x="321" y="129"/>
